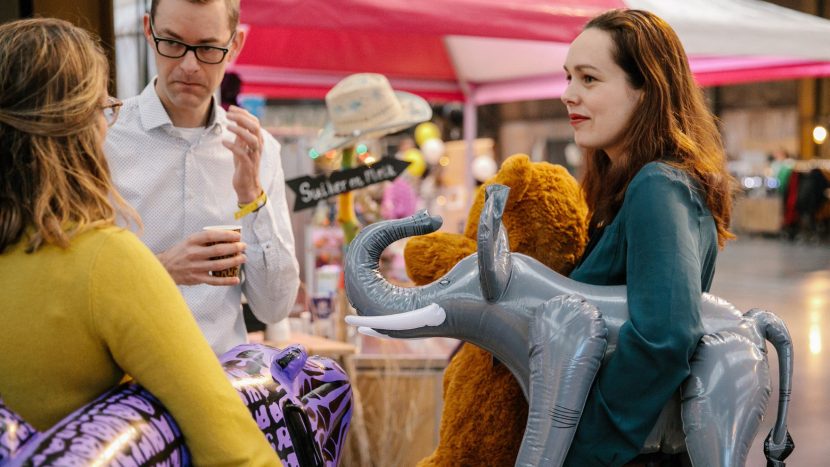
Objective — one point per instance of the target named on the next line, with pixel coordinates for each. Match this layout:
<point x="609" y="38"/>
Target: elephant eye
<point x="444" y="283"/>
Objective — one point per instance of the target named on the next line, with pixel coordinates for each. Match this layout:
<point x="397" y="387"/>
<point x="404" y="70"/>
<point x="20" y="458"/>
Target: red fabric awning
<point x="299" y="48"/>
<point x="548" y="20"/>
<point x="487" y="51"/>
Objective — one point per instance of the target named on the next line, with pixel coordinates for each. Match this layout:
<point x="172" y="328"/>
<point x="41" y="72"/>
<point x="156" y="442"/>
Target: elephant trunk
<point x="368" y="291"/>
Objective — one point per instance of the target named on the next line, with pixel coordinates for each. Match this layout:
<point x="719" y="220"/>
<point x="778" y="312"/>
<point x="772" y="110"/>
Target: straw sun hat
<point x="364" y="106"/>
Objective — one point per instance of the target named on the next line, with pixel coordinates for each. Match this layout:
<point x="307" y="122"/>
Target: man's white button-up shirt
<point x="179" y="186"/>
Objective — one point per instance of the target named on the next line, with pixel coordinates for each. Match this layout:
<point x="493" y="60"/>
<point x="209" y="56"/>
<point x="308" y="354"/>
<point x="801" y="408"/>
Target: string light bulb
<point x="819" y="134"/>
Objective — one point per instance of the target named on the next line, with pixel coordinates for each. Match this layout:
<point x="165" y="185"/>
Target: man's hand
<point x="247" y="152"/>
<point x="189" y="261"/>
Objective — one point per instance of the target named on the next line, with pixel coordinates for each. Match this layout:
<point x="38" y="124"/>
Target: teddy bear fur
<point x="484" y="411"/>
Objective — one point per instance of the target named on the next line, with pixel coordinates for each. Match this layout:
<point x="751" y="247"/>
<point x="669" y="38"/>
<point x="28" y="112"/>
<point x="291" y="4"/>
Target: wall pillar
<point x="92" y="15"/>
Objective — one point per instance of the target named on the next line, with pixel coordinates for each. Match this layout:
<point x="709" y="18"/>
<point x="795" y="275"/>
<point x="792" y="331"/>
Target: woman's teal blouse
<point x="662" y="244"/>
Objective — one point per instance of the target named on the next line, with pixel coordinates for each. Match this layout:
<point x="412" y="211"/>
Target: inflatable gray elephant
<point x="553" y="334"/>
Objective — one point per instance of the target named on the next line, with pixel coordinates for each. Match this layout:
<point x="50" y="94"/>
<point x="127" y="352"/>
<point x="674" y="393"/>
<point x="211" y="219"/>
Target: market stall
<point x="482" y="52"/>
<point x="485" y="51"/>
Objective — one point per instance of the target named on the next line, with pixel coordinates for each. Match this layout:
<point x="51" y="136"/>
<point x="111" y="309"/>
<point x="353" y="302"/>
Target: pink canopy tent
<point x="490" y="51"/>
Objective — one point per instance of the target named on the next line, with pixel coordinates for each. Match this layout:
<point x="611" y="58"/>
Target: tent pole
<point x="470" y="133"/>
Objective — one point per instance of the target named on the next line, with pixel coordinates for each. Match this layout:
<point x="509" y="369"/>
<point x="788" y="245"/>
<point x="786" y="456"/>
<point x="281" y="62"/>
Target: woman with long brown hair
<point x="85" y="302"/>
<point x="659" y="197"/>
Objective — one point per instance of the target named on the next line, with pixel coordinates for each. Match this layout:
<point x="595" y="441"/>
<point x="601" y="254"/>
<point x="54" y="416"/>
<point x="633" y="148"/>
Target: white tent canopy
<point x="727" y="41"/>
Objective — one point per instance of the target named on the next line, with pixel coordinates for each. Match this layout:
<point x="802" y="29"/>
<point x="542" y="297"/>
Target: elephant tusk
<point x="430" y="315"/>
<point x="371" y="332"/>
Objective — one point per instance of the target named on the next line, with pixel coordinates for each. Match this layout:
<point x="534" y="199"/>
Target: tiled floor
<point x="793" y="281"/>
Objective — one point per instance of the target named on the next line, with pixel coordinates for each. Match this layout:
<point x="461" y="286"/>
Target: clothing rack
<point x="808" y="165"/>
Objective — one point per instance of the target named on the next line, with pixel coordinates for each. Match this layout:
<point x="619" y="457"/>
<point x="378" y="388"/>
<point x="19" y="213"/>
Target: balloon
<point x="399" y="200"/>
<point x="425" y="131"/>
<point x="432" y="149"/>
<point x="483" y="168"/>
<point x="417" y="166"/>
<point x="573" y="155"/>
<point x="302" y="404"/>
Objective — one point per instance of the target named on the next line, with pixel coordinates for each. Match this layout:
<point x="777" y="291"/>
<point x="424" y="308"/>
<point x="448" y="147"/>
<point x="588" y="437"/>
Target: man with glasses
<point x="185" y="163"/>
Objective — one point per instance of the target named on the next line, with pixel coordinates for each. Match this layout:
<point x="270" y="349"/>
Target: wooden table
<point x="401" y="382"/>
<point x="316" y="345"/>
<point x="396" y="394"/>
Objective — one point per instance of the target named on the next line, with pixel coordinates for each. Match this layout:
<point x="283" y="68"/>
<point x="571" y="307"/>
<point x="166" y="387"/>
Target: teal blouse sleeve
<point x="660" y="224"/>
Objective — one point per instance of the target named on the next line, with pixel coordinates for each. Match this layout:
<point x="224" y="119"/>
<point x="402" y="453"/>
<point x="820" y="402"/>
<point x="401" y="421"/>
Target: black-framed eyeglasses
<point x="172" y="48"/>
<point x="111" y="109"/>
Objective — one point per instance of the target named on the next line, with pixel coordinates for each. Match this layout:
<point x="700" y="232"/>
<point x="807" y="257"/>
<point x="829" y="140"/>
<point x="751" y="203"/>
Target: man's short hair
<point x="231" y="5"/>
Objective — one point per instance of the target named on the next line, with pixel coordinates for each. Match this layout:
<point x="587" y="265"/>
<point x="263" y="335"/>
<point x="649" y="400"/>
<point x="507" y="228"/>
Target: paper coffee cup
<point x="232" y="271"/>
<point x="279" y="331"/>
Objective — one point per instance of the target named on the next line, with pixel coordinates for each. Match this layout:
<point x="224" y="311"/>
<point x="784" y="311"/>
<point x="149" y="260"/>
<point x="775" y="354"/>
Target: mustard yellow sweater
<point x="73" y="321"/>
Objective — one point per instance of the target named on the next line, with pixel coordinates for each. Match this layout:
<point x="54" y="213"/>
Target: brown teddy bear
<point x="485" y="412"/>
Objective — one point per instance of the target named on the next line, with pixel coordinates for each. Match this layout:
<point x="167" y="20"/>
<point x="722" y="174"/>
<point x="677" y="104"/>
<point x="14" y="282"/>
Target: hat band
<point x="360" y="123"/>
<point x="357" y="133"/>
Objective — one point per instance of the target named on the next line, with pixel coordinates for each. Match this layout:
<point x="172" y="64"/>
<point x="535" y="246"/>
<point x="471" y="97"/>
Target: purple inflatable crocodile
<point x="303" y="406"/>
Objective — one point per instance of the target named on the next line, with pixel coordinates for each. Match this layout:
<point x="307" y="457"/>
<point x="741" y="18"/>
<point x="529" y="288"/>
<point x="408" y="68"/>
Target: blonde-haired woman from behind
<point x="85" y="302"/>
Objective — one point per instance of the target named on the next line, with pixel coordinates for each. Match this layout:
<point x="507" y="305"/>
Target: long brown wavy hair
<point x="671" y="123"/>
<point x="54" y="179"/>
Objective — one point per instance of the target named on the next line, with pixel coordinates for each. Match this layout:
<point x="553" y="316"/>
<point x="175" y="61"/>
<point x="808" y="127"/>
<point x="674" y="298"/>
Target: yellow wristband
<point x="253" y="206"/>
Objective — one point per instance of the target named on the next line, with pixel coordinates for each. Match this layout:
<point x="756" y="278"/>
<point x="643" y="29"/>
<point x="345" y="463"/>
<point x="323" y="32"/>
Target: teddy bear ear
<point x="517" y="173"/>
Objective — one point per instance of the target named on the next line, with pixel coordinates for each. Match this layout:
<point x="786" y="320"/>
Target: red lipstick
<point x="577" y="118"/>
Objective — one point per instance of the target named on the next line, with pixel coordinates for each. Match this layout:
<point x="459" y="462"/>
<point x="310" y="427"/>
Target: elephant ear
<point x="429" y="257"/>
<point x="516" y="172"/>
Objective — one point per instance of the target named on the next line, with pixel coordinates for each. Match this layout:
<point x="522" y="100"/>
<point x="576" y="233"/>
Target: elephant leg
<point x="724" y="400"/>
<point x="567" y="343"/>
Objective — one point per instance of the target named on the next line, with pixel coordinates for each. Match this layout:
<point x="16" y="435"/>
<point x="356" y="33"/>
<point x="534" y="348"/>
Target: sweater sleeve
<point x="145" y="323"/>
<point x="663" y="278"/>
